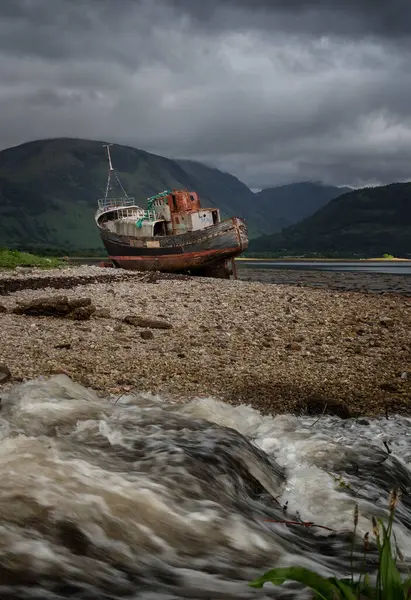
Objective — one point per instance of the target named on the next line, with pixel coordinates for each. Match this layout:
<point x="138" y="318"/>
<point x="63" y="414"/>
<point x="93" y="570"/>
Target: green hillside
<point x="288" y="204"/>
<point x="49" y="189"/>
<point x="368" y="222"/>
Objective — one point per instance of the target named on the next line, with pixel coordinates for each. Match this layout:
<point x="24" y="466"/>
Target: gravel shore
<point x="279" y="348"/>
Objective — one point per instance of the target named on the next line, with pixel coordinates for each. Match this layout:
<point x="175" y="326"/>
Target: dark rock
<point x="3" y="309"/>
<point x="79" y="302"/>
<point x="146" y="334"/>
<point x="387" y="322"/>
<point x="57" y="306"/>
<point x="363" y="422"/>
<point x="51" y="306"/>
<point x="317" y="405"/>
<point x="181" y="355"/>
<point x="389" y="387"/>
<point x="146" y="322"/>
<point x="64" y="346"/>
<point x="83" y="313"/>
<point x="5" y="374"/>
<point x="294" y="347"/>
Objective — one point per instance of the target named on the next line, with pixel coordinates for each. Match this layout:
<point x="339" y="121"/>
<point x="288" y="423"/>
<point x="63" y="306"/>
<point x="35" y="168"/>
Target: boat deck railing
<point x="126" y="208"/>
<point x="112" y="203"/>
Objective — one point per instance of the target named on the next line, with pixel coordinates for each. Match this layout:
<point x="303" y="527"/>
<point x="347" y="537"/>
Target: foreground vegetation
<point x="388" y="584"/>
<point x="10" y="259"/>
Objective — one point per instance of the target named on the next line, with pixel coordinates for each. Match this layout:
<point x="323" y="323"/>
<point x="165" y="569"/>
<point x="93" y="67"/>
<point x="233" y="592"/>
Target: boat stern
<point x="241" y="228"/>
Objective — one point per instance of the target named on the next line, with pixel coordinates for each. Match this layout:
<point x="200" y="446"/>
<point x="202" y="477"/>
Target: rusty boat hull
<point x="203" y="252"/>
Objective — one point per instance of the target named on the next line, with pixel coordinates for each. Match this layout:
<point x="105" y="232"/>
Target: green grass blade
<point x="324" y="588"/>
<point x="391" y="583"/>
<point x="347" y="589"/>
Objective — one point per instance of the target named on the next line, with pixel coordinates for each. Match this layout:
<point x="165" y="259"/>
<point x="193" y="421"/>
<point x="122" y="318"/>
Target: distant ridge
<point x="368" y="222"/>
<point x="291" y="203"/>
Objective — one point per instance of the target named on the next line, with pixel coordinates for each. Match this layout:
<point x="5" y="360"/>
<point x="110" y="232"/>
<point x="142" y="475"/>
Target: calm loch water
<point x="372" y="277"/>
<point x="391" y="267"/>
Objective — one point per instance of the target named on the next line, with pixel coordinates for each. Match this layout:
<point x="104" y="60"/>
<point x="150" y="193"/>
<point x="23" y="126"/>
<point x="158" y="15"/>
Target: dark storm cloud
<point x="388" y="18"/>
<point x="272" y="91"/>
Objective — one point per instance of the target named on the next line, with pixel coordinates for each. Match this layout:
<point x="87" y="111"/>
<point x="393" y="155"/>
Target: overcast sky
<point x="273" y="91"/>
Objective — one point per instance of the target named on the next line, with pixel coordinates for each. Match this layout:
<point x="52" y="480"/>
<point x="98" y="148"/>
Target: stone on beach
<point x="5" y="374"/>
<point x="79" y="309"/>
<point x="137" y="321"/>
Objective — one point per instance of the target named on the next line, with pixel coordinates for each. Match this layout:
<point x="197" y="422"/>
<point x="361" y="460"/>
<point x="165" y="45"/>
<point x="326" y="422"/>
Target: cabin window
<point x="177" y="220"/>
<point x="174" y="202"/>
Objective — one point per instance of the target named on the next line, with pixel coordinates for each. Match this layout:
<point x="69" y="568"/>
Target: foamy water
<point x="143" y="499"/>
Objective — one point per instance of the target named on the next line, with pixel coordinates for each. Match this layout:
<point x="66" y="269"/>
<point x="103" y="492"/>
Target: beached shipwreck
<point x="174" y="234"/>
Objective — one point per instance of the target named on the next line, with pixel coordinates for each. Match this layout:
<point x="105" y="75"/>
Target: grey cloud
<point x="390" y="18"/>
<point x="269" y="92"/>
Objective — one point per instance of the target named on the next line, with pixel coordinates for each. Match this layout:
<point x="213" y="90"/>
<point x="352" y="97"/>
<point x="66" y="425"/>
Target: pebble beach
<point x="280" y="348"/>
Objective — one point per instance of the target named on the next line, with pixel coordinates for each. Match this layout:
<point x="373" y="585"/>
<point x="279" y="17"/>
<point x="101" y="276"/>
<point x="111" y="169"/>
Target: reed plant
<point x="387" y="585"/>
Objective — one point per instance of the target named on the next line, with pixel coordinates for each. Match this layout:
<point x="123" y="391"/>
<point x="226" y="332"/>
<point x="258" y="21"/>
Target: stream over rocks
<point x="139" y="498"/>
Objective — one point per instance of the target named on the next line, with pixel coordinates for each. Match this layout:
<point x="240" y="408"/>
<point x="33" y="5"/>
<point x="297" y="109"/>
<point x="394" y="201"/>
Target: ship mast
<point x="111" y="172"/>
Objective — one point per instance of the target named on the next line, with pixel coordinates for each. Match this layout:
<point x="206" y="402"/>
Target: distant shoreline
<point x="297" y="259"/>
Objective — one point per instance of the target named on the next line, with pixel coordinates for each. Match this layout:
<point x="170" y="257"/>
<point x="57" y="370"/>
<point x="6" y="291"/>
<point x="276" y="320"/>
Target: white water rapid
<point x="144" y="499"/>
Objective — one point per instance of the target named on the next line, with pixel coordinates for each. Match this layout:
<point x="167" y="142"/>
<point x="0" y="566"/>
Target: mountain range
<point x="49" y="189"/>
<point x="296" y="201"/>
<point x="368" y="222"/>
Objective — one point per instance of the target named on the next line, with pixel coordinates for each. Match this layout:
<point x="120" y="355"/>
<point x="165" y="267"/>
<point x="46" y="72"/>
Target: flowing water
<point x="143" y="499"/>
